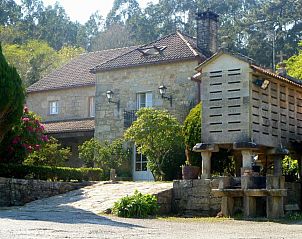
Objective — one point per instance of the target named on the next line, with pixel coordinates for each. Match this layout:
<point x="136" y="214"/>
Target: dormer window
<point x="152" y="50"/>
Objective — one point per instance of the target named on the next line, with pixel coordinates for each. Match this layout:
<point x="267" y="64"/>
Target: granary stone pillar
<point x="247" y="159"/>
<point x="206" y="151"/>
<point x="247" y="151"/>
<point x="206" y="163"/>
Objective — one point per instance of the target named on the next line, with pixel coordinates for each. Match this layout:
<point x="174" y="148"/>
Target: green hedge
<point x="51" y="173"/>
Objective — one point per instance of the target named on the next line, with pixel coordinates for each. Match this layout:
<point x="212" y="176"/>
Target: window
<point x="140" y="162"/>
<point x="53" y="107"/>
<point x="144" y="100"/>
<point x="91" y="106"/>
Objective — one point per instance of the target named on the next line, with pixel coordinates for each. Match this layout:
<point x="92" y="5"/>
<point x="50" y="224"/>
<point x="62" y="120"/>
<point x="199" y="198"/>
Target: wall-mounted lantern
<point x="162" y="91"/>
<point x="109" y="95"/>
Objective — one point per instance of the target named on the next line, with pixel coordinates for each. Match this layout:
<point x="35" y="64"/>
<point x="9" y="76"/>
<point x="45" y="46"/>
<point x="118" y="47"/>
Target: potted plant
<point x="192" y="135"/>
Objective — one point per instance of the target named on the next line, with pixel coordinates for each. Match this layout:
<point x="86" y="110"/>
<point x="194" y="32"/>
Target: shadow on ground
<point x="54" y="209"/>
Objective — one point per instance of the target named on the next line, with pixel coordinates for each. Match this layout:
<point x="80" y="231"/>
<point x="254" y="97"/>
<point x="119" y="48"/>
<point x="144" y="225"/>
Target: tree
<point x="12" y="96"/>
<point x="158" y="136"/>
<point x="294" y="65"/>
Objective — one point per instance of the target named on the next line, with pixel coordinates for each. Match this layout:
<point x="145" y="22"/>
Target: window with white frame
<point x="144" y="100"/>
<point x="91" y="106"/>
<point x="54" y="107"/>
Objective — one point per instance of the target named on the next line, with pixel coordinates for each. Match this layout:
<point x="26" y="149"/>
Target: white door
<point x="140" y="170"/>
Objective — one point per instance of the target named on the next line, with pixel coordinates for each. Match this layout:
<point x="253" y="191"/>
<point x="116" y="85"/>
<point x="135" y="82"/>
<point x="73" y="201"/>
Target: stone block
<point x="201" y="182"/>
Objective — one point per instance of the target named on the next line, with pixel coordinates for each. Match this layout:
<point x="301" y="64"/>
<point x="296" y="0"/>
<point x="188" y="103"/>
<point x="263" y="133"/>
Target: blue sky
<point x="80" y="10"/>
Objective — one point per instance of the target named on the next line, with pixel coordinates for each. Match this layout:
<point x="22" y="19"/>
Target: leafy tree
<point x="115" y="36"/>
<point x="157" y="135"/>
<point x="36" y="59"/>
<point x="104" y="155"/>
<point x="11" y="96"/>
<point x="192" y="135"/>
<point x="50" y="154"/>
<point x="294" y="65"/>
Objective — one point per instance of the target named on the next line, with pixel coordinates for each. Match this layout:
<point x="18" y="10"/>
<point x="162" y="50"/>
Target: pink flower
<point x="25" y="119"/>
<point x="44" y="138"/>
<point x="42" y="127"/>
<point x="37" y="147"/>
<point x="26" y="111"/>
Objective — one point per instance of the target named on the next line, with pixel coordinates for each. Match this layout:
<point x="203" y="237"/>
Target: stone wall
<point x="194" y="197"/>
<point x="73" y="103"/>
<point x="17" y="192"/>
<point x="127" y="83"/>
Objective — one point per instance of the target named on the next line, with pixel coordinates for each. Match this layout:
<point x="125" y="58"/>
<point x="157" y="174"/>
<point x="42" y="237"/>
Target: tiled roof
<point x="287" y="79"/>
<point x="69" y="126"/>
<point x="76" y="72"/>
<point x="174" y="47"/>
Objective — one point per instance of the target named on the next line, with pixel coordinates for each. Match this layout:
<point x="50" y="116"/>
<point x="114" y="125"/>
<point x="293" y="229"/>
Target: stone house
<point x="133" y="76"/>
<point x="65" y="99"/>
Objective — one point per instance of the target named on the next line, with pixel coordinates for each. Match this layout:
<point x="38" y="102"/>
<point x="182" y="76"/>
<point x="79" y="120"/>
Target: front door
<point x="140" y="169"/>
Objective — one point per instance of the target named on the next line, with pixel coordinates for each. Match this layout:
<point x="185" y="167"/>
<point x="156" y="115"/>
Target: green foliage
<point x="294" y="65"/>
<point x="138" y="206"/>
<point x="104" y="155"/>
<point x="157" y="135"/>
<point x="50" y="154"/>
<point x="192" y="135"/>
<point x="25" y="137"/>
<point x="11" y="97"/>
<point x="290" y="168"/>
<point x="34" y="59"/>
<point x="51" y="173"/>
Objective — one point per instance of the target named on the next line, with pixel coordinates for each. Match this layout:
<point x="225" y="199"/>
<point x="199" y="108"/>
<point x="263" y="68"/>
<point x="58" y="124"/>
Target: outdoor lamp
<point x="263" y="84"/>
<point x="162" y="91"/>
<point x="109" y="95"/>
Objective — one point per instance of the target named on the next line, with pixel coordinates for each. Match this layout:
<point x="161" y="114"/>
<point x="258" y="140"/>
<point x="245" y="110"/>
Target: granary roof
<point x="171" y="48"/>
<point x="69" y="126"/>
<point x="251" y="62"/>
<point x="76" y="72"/>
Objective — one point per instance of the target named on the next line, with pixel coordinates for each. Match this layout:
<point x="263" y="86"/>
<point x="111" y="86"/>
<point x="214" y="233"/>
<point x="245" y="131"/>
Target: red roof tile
<point x="69" y="126"/>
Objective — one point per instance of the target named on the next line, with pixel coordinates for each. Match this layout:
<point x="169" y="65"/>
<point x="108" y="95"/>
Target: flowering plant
<point x="26" y="137"/>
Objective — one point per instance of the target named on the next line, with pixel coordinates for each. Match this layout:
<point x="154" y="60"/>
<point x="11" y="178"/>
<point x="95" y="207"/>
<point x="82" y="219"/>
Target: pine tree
<point x="12" y="96"/>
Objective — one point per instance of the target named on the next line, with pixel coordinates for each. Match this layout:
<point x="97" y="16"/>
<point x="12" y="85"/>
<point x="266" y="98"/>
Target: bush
<point x="136" y="206"/>
<point x="104" y="155"/>
<point x="51" y="173"/>
<point x="50" y="154"/>
<point x="192" y="135"/>
<point x="24" y="138"/>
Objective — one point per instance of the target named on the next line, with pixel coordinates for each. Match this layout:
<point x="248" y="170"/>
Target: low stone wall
<point x="194" y="197"/>
<point x="164" y="200"/>
<point x="17" y="192"/>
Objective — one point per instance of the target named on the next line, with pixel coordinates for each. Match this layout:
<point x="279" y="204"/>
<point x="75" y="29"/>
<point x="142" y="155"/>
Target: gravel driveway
<point x="75" y="215"/>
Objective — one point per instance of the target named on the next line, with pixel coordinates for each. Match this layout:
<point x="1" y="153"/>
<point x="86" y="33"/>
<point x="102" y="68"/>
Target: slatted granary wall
<point x="276" y="113"/>
<point x="225" y="109"/>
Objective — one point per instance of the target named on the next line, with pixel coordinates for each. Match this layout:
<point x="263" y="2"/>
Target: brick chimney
<point x="207" y="28"/>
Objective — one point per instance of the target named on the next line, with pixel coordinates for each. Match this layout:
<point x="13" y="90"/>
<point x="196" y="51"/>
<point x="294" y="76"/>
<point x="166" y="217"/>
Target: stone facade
<point x="126" y="83"/>
<point x="17" y="192"/>
<point x="194" y="197"/>
<point x="73" y="103"/>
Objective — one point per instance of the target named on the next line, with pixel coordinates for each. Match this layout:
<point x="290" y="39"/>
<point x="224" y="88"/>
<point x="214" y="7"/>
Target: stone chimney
<point x="207" y="28"/>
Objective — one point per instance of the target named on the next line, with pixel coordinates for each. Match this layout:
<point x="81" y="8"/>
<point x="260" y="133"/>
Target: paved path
<point x="75" y="215"/>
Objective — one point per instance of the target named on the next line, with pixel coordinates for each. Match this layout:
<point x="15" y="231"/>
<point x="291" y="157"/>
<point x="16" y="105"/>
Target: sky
<point x="81" y="10"/>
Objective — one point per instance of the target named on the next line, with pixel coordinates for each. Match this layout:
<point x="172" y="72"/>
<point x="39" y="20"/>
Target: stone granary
<point x="250" y="110"/>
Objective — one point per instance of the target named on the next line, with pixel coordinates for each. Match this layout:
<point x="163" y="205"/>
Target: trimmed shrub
<point x="51" y="173"/>
<point x="136" y="206"/>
